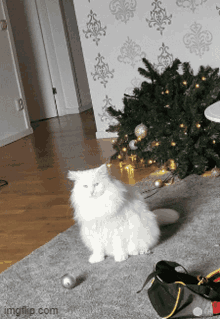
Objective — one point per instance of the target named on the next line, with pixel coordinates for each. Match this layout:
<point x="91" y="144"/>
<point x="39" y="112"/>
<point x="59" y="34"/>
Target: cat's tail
<point x="166" y="216"/>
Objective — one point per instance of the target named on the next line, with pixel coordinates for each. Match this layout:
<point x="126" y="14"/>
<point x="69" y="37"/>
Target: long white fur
<point x="114" y="219"/>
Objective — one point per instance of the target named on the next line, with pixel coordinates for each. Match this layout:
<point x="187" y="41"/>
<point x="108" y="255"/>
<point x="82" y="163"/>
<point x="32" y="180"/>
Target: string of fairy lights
<point x="141" y="132"/>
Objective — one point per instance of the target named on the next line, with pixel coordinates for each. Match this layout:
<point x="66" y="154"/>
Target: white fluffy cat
<point x="114" y="218"/>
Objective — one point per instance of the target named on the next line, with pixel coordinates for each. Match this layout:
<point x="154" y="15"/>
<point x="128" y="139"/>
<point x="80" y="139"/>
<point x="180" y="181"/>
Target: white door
<point x="14" y="120"/>
<point x="58" y="56"/>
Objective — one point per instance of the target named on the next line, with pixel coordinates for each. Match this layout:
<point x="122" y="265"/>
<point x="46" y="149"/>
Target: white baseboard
<point x="104" y="134"/>
<point x="12" y="138"/>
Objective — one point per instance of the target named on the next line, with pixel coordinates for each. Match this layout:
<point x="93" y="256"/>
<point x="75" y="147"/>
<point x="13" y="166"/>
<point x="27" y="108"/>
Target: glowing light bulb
<point x="132" y="157"/>
<point x="197" y="85"/>
<point x="184" y="82"/>
<point x="173" y="143"/>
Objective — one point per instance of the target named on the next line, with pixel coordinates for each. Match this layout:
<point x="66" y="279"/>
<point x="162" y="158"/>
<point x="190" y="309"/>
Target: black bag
<point x="177" y="295"/>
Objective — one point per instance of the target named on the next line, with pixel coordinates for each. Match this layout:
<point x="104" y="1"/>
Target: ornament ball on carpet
<point x="68" y="281"/>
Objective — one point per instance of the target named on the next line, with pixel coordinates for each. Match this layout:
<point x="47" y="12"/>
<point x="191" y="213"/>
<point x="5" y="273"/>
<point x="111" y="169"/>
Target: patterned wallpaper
<point x="116" y="35"/>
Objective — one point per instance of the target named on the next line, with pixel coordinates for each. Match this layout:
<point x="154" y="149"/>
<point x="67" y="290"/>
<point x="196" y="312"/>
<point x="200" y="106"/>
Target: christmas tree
<point x="164" y="123"/>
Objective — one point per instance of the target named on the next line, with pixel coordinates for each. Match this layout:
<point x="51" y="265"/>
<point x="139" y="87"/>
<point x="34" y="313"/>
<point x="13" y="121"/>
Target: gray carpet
<point x="108" y="289"/>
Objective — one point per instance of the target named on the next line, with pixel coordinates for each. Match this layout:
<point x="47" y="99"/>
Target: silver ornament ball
<point x="68" y="281"/>
<point x="140" y="130"/>
<point x="132" y="145"/>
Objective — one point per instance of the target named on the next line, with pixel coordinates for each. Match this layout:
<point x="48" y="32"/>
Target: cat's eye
<point x="86" y="186"/>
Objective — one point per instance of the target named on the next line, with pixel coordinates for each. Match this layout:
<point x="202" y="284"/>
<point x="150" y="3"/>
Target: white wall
<point x="116" y="35"/>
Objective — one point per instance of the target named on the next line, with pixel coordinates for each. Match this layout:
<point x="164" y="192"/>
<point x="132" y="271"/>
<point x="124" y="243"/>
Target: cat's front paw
<point x="94" y="258"/>
<point x="121" y="258"/>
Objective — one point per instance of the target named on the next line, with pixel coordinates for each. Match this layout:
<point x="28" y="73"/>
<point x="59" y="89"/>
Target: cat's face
<point x="90" y="183"/>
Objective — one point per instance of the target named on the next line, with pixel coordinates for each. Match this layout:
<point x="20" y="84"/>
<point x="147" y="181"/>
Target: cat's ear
<point x="103" y="169"/>
<point x="72" y="175"/>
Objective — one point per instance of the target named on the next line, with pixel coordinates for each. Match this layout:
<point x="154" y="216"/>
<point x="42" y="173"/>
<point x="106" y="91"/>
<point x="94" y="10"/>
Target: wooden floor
<point x="34" y="206"/>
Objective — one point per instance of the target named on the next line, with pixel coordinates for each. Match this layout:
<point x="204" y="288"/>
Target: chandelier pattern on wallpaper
<point x="102" y="71"/>
<point x="131" y="53"/>
<point x="165" y="59"/>
<point x="136" y="83"/>
<point x="191" y="4"/>
<point x="94" y="28"/>
<point x="198" y="41"/>
<point x="158" y="17"/>
<point x="105" y="116"/>
<point x="123" y="9"/>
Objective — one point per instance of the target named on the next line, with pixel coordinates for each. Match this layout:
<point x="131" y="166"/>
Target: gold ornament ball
<point x="158" y="183"/>
<point x="140" y="130"/>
